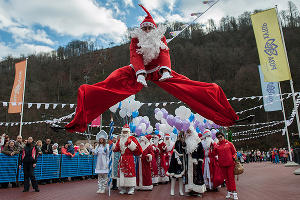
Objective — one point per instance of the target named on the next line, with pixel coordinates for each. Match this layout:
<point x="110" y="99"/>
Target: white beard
<point x="192" y="142"/>
<point x="123" y="140"/>
<point x="149" y="43"/>
<point x="156" y="141"/>
<point x="167" y="142"/>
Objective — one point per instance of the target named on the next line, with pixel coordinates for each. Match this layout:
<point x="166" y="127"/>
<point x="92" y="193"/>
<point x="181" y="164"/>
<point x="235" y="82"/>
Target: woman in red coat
<point x="226" y="153"/>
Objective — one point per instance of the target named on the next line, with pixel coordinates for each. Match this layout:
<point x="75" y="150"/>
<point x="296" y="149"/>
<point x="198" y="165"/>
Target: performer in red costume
<point x="161" y="163"/>
<point x="154" y="163"/>
<point x="150" y="61"/>
<point x="129" y="147"/>
<point x="144" y="178"/>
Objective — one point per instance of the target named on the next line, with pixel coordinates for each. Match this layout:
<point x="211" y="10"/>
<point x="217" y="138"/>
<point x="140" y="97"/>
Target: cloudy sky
<point x="34" y="26"/>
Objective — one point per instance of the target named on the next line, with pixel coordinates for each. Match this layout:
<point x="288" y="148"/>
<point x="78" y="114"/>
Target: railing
<point x="48" y="166"/>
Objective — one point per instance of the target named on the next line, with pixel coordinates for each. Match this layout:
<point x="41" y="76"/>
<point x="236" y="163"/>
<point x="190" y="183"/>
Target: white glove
<point x="179" y="162"/>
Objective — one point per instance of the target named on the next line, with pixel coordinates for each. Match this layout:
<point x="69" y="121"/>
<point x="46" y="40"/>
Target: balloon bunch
<point x="141" y="126"/>
<point x="128" y="107"/>
<point x="183" y="119"/>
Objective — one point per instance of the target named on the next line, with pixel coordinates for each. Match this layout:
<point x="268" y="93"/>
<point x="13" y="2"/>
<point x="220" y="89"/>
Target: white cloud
<point x="128" y="3"/>
<point x="159" y="5"/>
<point x="21" y="34"/>
<point x="70" y="17"/>
<point x="22" y="49"/>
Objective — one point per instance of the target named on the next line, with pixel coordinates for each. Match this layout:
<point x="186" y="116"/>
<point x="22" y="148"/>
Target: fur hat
<point x="126" y="128"/>
<point x="101" y="134"/>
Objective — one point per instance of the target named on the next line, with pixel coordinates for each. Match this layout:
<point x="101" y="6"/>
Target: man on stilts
<point x="150" y="61"/>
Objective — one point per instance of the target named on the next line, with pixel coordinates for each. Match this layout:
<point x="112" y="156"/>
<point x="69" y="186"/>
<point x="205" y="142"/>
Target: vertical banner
<point x="97" y="122"/>
<point x="270" y="91"/>
<point x="16" y="97"/>
<point x="271" y="50"/>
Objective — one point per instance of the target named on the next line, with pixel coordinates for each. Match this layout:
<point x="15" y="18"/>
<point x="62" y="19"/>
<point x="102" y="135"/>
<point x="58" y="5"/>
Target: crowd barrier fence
<point x="48" y="166"/>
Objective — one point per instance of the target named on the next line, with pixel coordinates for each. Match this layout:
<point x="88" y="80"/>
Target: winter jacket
<point x="47" y="148"/>
<point x="7" y="150"/>
<point x="65" y="151"/>
<point x="29" y="154"/>
<point x="226" y="153"/>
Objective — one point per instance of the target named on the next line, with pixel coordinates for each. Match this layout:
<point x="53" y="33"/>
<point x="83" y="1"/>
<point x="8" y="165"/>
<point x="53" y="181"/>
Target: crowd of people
<point x="274" y="155"/>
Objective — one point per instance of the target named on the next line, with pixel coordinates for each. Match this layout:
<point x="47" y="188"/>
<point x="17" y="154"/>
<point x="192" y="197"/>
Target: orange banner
<point x="16" y="97"/>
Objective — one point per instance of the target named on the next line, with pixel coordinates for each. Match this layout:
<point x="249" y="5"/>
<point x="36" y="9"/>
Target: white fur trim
<point x="126" y="181"/>
<point x="155" y="179"/>
<point x="164" y="179"/>
<point x="142" y="71"/>
<point x="149" y="187"/>
<point x="126" y="129"/>
<point x="149" y="157"/>
<point x="147" y="24"/>
<point x="165" y="67"/>
<point x="132" y="146"/>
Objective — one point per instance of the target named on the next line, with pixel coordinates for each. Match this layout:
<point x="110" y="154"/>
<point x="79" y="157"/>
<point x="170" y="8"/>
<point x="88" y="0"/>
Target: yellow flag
<point x="272" y="56"/>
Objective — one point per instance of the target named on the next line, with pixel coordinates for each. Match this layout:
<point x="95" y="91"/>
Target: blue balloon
<point x="135" y="114"/>
<point x="198" y="130"/>
<point x="133" y="128"/>
<point x="120" y="104"/>
<point x="204" y="121"/>
<point x="192" y="117"/>
<point x="175" y="131"/>
<point x="156" y="132"/>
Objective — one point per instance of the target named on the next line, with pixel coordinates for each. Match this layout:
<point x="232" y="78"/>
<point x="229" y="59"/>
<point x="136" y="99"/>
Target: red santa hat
<point x="167" y="135"/>
<point x="149" y="137"/>
<point x="126" y="128"/>
<point x="148" y="21"/>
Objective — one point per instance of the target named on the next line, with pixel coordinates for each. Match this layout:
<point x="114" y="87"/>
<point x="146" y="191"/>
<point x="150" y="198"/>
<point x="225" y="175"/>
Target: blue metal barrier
<point x="48" y="166"/>
<point x="8" y="168"/>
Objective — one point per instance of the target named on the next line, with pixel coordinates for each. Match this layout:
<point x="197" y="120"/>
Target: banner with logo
<point x="272" y="56"/>
<point x="270" y="91"/>
<point x="16" y="97"/>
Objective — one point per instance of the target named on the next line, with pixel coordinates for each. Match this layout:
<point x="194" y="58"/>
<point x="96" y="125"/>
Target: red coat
<point x="163" y="153"/>
<point x="137" y="61"/>
<point x="154" y="160"/>
<point x="226" y="153"/>
<point x="126" y="163"/>
<point x="144" y="178"/>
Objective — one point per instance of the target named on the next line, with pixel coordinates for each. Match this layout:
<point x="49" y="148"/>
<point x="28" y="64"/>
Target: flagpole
<point x="21" y="121"/>
<point x="285" y="123"/>
<point x="168" y="41"/>
<point x="291" y="81"/>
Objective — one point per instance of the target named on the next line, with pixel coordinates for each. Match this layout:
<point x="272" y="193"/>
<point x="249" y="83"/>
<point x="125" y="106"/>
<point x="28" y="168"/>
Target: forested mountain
<point x="223" y="53"/>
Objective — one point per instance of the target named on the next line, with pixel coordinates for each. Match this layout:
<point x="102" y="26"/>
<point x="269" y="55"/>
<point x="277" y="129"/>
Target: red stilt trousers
<point x="228" y="174"/>
<point x="207" y="99"/>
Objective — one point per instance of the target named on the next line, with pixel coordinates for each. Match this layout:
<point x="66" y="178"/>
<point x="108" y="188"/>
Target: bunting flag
<point x="174" y="33"/>
<point x="258" y="136"/>
<point x="271" y="49"/>
<point x="208" y="2"/>
<point x="18" y="88"/>
<point x="197" y="14"/>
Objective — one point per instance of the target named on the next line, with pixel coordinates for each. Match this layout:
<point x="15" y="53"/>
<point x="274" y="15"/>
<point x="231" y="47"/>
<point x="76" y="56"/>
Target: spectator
<point x="19" y="143"/>
<point x="65" y="150"/>
<point x="226" y="153"/>
<point x="10" y="149"/>
<point x="82" y="150"/>
<point x="47" y="147"/>
<point x="55" y="149"/>
<point x="2" y="141"/>
<point x="39" y="146"/>
<point x="29" y="159"/>
<point x="276" y="155"/>
<point x="71" y="148"/>
<point x="88" y="147"/>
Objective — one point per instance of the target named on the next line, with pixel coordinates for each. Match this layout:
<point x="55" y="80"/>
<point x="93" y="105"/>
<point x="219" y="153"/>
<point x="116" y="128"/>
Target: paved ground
<point x="261" y="181"/>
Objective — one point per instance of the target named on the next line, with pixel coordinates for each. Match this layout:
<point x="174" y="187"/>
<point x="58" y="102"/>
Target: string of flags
<point x="257" y="136"/>
<point x="156" y="104"/>
<point x="256" y="124"/>
<point x="248" y="132"/>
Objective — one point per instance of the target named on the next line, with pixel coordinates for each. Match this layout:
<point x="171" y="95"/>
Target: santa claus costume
<point x="177" y="167"/>
<point x="161" y="161"/>
<point x="169" y="150"/>
<point x="144" y="178"/>
<point x="194" y="183"/>
<point x="150" y="60"/>
<point x="129" y="147"/>
<point x="155" y="158"/>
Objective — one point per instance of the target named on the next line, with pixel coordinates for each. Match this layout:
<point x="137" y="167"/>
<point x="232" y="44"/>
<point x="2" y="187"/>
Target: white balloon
<point x="114" y="108"/>
<point x="143" y="126"/>
<point x="128" y="114"/>
<point x="187" y="113"/>
<point x="162" y="128"/>
<point x="164" y="121"/>
<point x="122" y="113"/>
<point x="146" y="118"/>
<point x="150" y="129"/>
<point x="132" y="97"/>
<point x="159" y="115"/>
